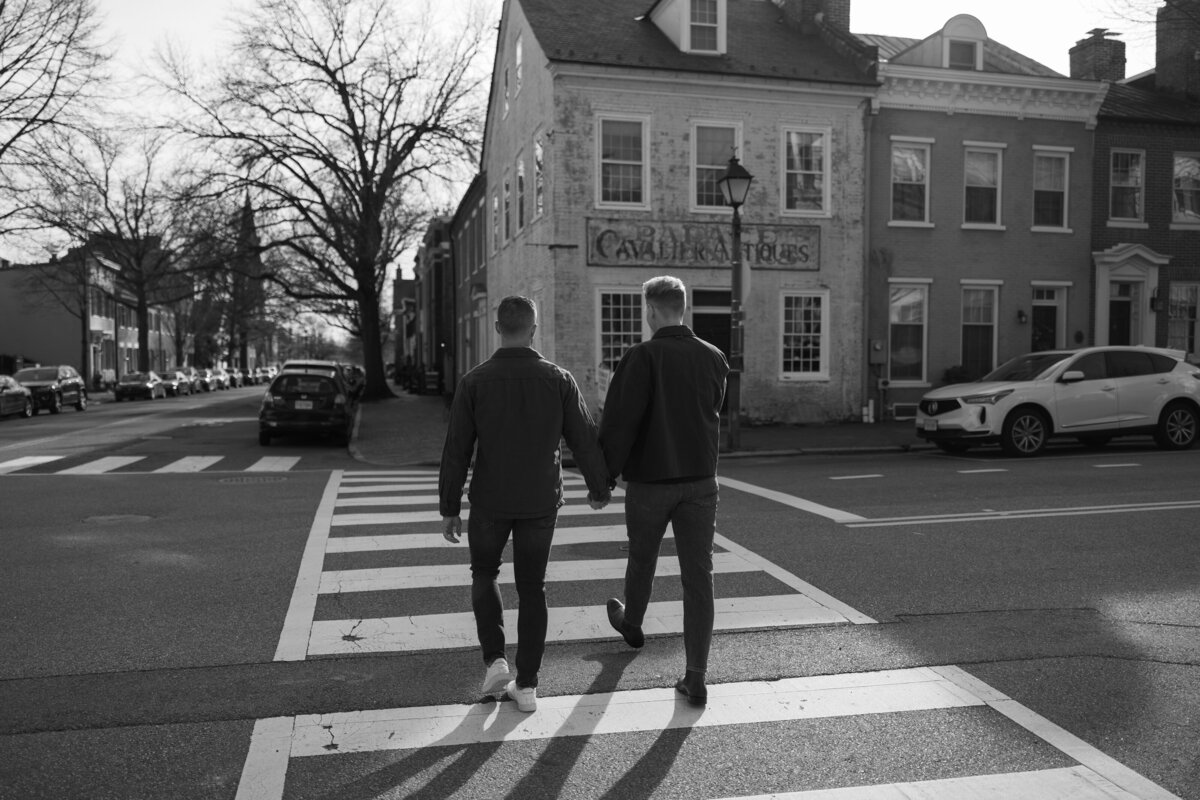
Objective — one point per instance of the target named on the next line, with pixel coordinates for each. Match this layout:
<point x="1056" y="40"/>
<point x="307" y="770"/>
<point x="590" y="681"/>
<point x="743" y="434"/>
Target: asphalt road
<point x="195" y="622"/>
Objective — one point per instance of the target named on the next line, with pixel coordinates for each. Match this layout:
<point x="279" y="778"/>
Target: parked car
<point x="54" y="387"/>
<point x="206" y="379"/>
<point x="177" y="382"/>
<point x="1093" y="394"/>
<point x="15" y="398"/>
<point x="306" y="402"/>
<point x="220" y="378"/>
<point x="133" y="385"/>
<point x="237" y="378"/>
<point x="193" y="378"/>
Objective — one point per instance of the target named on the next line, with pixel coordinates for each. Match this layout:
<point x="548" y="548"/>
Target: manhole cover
<point x="255" y="479"/>
<point x="118" y="519"/>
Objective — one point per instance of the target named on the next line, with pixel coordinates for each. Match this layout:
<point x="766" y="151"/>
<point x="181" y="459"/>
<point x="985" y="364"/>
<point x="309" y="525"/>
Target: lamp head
<point x="735" y="183"/>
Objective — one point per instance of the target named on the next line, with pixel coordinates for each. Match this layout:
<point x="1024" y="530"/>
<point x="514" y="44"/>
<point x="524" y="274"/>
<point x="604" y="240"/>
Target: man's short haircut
<point x="516" y="315"/>
<point x="667" y="293"/>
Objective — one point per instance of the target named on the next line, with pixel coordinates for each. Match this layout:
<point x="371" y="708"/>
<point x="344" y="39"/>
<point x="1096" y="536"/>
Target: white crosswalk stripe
<point x="348" y="526"/>
<point x="101" y="465"/>
<point x="145" y="464"/>
<point x="190" y="464"/>
<point x="25" y="462"/>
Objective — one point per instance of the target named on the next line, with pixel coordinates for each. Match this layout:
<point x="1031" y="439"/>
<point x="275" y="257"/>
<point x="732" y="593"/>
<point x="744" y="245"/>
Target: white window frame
<point x="989" y="148"/>
<point x="694" y="168"/>
<point x="506" y="207"/>
<point x="640" y="335"/>
<point x="518" y="66"/>
<point x="824" y="335"/>
<point x="720" y="27"/>
<point x="993" y="287"/>
<point x="539" y="176"/>
<point x="925" y="285"/>
<point x="826" y="161"/>
<point x="1063" y="153"/>
<point x="1139" y="220"/>
<point x="496" y="240"/>
<point x="506" y="94"/>
<point x="915" y="143"/>
<point x="975" y="43"/>
<point x="644" y="121"/>
<point x="1178" y="223"/>
<point x="520" y="190"/>
<point x="1177" y="302"/>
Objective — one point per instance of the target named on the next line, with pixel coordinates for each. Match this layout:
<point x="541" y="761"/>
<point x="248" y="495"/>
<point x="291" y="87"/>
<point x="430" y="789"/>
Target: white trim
<point x="982" y="226"/>
<point x="1053" y="148"/>
<point x="736" y="127"/>
<point x="1065" y="158"/>
<point x="913" y="139"/>
<point x="721" y="26"/>
<point x="894" y="223"/>
<point x="825" y="335"/>
<point x="928" y="184"/>
<point x="1129" y="224"/>
<point x="998" y="222"/>
<point x="612" y="116"/>
<point x="994" y="288"/>
<point x="924" y="285"/>
<point x="826" y="133"/>
<point x="1044" y="229"/>
<point x="1139" y="220"/>
<point x="1051" y="284"/>
<point x="985" y="145"/>
<point x="981" y="281"/>
<point x="925" y="281"/>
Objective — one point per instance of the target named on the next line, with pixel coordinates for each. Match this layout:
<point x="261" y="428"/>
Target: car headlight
<point x="989" y="399"/>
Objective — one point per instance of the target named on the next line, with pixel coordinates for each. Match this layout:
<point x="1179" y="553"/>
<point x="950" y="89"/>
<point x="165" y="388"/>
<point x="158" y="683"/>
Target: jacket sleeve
<point x="579" y="429"/>
<point x="625" y="407"/>
<point x="456" y="453"/>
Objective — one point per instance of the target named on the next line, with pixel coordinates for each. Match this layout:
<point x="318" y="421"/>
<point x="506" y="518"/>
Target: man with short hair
<point x="510" y="412"/>
<point x="660" y="431"/>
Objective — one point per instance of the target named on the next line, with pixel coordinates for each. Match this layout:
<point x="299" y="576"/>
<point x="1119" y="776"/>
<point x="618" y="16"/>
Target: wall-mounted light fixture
<point x="1022" y="317"/>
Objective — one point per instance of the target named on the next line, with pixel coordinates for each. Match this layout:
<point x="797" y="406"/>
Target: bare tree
<point x="50" y="60"/>
<point x="344" y="118"/>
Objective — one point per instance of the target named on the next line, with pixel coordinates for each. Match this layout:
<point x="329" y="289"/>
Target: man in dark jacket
<point x="660" y="432"/>
<point x="515" y="406"/>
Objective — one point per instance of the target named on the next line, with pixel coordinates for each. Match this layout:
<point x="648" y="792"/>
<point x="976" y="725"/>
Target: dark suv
<point x="54" y="387"/>
<point x="306" y="402"/>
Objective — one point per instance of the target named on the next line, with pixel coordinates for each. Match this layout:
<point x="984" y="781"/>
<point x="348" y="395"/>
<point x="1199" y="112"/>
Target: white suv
<point x="1092" y="394"/>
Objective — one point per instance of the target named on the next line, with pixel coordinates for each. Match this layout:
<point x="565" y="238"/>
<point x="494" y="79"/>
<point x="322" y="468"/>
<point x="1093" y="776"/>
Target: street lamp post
<point x="735" y="185"/>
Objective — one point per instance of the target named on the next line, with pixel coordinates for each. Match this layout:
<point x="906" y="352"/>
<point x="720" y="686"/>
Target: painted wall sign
<point x="629" y="243"/>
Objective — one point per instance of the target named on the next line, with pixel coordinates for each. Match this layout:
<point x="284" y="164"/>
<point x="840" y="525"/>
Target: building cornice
<point x="989" y="93"/>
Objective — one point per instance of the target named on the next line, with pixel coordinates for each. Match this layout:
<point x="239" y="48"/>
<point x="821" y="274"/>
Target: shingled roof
<point x="996" y="57"/>
<point x="1132" y="103"/>
<point x="619" y="33"/>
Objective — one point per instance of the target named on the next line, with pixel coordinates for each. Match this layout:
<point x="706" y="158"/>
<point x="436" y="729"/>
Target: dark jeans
<point x="691" y="509"/>
<point x="486" y="537"/>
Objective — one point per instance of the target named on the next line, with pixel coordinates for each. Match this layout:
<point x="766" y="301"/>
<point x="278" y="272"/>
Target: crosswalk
<point x="377" y="534"/>
<point x="145" y="464"/>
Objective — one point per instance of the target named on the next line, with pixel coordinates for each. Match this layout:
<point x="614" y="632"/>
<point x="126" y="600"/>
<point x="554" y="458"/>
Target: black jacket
<point x="517" y="406"/>
<point x="662" y="414"/>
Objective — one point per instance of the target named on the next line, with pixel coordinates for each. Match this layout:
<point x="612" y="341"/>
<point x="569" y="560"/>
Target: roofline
<point x="730" y="73"/>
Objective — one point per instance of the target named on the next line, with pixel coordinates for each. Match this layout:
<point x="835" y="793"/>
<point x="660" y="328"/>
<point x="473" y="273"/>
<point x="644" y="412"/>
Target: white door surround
<point x="1127" y="263"/>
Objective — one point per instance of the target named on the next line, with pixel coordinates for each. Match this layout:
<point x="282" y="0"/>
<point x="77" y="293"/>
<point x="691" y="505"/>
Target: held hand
<point x="598" y="504"/>
<point x="452" y="529"/>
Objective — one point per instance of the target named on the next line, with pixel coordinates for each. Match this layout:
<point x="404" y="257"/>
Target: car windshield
<point x="134" y="377"/>
<point x="305" y="384"/>
<point x="37" y="374"/>
<point x="1028" y="367"/>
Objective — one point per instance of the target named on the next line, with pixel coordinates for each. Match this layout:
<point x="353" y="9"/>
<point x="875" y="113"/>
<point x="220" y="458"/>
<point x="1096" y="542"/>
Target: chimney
<point x="836" y="13"/>
<point x="804" y="14"/>
<point x="1098" y="58"/>
<point x="1177" y="54"/>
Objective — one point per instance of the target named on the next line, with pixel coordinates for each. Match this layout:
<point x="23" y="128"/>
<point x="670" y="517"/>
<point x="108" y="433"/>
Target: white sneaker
<point x="526" y="697"/>
<point x="497" y="678"/>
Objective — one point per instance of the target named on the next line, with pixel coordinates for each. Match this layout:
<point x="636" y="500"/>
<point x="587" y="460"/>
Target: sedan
<point x="177" y="382"/>
<point x="139" y="384"/>
<point x="54" y="387"/>
<point x="1093" y="394"/>
<point x="15" y="398"/>
<point x="305" y="403"/>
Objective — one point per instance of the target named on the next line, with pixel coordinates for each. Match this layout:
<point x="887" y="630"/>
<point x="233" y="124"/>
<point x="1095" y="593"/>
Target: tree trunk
<point x="377" y="387"/>
<point x="143" y="323"/>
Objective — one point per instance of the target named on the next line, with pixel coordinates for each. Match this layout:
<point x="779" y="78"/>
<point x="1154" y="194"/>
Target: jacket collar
<point x="672" y="330"/>
<point x="516" y="352"/>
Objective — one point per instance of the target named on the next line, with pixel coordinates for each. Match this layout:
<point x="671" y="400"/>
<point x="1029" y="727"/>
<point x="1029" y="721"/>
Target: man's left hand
<point x="452" y="529"/>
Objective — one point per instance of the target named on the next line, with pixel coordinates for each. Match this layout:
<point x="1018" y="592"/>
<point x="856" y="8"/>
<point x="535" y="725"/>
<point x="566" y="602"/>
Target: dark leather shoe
<point x="692" y="687"/>
<point x="616" y="617"/>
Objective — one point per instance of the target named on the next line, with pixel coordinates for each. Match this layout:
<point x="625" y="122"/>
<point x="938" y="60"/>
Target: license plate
<point x="304" y="405"/>
<point x="931" y="424"/>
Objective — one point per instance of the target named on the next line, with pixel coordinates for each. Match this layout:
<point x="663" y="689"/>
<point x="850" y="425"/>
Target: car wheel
<point x="1095" y="441"/>
<point x="264" y="438"/>
<point x="953" y="447"/>
<point x="56" y="404"/>
<point x="82" y="404"/>
<point x="1025" y="432"/>
<point x="1177" y="427"/>
<point x="28" y="410"/>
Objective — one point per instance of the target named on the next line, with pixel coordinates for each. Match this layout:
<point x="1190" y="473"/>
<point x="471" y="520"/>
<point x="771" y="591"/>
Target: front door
<point x="1045" y="328"/>
<point x="1120" y="317"/>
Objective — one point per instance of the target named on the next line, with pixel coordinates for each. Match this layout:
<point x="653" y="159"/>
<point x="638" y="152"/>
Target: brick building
<point x="979" y="211"/>
<point x="611" y="121"/>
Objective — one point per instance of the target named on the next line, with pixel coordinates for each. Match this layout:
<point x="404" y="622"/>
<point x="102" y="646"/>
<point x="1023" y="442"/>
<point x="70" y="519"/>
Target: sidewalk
<point x="409" y="431"/>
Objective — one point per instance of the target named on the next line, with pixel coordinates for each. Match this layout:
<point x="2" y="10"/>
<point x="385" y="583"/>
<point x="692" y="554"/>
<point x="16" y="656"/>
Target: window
<point x="622" y="162"/>
<point x="1182" y="316"/>
<point x="910" y="182"/>
<point x="906" y="332"/>
<point x="620" y="325"/>
<point x="508" y="217"/>
<point x="518" y="57"/>
<point x="1187" y="190"/>
<point x="506" y="92"/>
<point x="978" y="330"/>
<point x="704" y="24"/>
<point x="520" y="193"/>
<point x="962" y="55"/>
<point x="1050" y="190"/>
<point x="1126" y="185"/>
<point x="805" y="171"/>
<point x="539" y="177"/>
<point x="981" y="202"/>
<point x="712" y="147"/>
<point x="495" y="223"/>
<point x="805" y="338"/>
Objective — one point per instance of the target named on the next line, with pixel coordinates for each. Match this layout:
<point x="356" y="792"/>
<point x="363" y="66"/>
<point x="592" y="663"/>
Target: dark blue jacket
<point x="516" y="406"/>
<point x="662" y="414"/>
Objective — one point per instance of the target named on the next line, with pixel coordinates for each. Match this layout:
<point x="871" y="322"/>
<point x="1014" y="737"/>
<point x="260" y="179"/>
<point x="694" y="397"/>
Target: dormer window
<point x="705" y="25"/>
<point x="963" y="39"/>
<point x="962" y="55"/>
